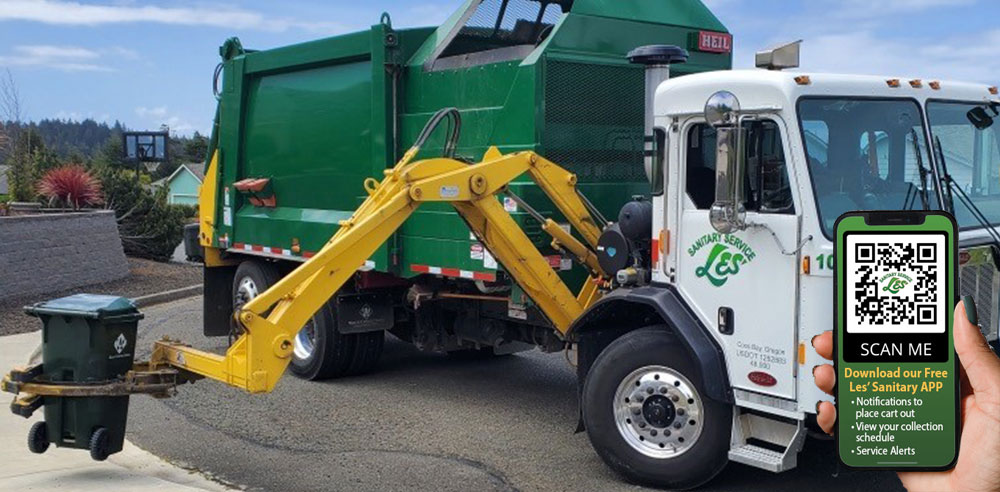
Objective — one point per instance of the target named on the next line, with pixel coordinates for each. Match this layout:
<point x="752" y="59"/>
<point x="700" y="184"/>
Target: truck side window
<point x="769" y="190"/>
<point x="767" y="184"/>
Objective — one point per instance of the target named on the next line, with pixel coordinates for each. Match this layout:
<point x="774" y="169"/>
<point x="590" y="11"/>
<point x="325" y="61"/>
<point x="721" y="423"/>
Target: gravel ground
<point x="145" y="277"/>
<point x="420" y="422"/>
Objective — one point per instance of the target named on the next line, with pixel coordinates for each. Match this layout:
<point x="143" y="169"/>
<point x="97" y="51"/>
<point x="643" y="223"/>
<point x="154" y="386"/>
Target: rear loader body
<point x="316" y="119"/>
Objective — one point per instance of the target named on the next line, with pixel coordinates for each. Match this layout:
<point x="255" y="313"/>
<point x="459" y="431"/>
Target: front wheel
<point x="647" y="416"/>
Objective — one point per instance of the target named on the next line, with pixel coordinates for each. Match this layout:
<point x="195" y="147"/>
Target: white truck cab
<point x="754" y="262"/>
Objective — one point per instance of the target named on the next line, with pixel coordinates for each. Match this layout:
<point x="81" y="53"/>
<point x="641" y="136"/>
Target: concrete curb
<point x="168" y="295"/>
<point x="60" y="469"/>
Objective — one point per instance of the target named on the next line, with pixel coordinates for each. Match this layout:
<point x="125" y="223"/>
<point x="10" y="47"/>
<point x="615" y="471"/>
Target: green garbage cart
<point x="86" y="339"/>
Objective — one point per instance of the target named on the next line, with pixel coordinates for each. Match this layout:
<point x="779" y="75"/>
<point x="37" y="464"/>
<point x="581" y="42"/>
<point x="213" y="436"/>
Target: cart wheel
<point x="99" y="444"/>
<point x="38" y="438"/>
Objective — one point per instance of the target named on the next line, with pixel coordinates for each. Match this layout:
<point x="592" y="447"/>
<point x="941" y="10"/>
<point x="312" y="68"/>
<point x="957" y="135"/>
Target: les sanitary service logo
<point x="726" y="255"/>
<point x="894" y="282"/>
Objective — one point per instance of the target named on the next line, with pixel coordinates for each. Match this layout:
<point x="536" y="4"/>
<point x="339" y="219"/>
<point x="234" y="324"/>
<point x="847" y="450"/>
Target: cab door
<point x="742" y="285"/>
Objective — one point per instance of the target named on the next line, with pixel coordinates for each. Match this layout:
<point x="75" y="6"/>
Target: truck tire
<point x="320" y="352"/>
<point x="367" y="352"/>
<point x="646" y="414"/>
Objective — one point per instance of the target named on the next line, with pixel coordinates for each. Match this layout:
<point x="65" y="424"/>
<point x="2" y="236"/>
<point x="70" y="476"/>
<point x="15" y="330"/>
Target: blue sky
<point x="149" y="63"/>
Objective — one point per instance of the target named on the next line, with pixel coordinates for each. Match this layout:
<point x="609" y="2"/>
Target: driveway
<point x="421" y="422"/>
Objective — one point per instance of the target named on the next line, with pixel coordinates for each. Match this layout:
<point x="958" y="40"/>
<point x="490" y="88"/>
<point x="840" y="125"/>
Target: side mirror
<point x="722" y="112"/>
<point x="980" y="118"/>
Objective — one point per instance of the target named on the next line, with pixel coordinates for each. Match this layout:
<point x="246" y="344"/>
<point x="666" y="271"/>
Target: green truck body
<point x="318" y="118"/>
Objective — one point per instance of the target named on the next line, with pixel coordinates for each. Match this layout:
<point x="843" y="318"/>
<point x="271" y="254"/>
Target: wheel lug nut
<point x="639" y="398"/>
<point x="642" y="425"/>
<point x="649" y="390"/>
<point x="666" y="433"/>
<point x="652" y="432"/>
<point x="673" y="398"/>
<point x="636" y="411"/>
<point x="677" y="425"/>
<point x="680" y="411"/>
<point x="663" y="390"/>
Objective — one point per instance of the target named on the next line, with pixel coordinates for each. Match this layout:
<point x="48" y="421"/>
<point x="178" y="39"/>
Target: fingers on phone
<point x="826" y="416"/>
<point x="823" y="343"/>
<point x="981" y="366"/>
<point x="825" y="378"/>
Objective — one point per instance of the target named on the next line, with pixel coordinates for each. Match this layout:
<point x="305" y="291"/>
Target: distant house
<point x="4" y="188"/>
<point x="182" y="185"/>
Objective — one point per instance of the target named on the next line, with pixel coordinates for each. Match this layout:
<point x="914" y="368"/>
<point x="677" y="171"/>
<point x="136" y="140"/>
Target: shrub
<point x="149" y="226"/>
<point x="70" y="186"/>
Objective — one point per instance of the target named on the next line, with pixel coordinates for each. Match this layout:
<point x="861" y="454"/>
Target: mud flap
<point x="218" y="300"/>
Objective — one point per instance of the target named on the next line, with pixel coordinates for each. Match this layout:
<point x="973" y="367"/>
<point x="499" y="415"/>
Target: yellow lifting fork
<point x="271" y="320"/>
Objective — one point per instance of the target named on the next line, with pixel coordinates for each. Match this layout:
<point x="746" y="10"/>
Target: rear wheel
<point x="38" y="438"/>
<point x="99" y="443"/>
<point x="646" y="414"/>
<point x="320" y="350"/>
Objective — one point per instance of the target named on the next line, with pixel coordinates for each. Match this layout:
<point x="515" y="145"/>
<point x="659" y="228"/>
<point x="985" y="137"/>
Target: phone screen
<point x="896" y="368"/>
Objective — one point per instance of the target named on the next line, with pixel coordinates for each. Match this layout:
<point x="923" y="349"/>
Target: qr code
<point x="894" y="283"/>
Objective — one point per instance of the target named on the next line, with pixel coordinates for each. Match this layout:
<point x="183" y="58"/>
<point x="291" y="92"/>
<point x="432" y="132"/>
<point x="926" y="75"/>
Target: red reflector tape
<point x="454" y="272"/>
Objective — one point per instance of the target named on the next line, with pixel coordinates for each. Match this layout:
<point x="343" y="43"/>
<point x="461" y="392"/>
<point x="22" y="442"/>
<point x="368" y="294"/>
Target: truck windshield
<point x="866" y="154"/>
<point x="971" y="155"/>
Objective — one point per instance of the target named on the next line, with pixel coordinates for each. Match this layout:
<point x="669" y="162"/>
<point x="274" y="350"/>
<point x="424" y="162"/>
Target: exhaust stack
<point x="657" y="58"/>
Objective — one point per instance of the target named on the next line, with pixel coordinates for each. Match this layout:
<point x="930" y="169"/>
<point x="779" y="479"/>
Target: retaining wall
<point x="53" y="252"/>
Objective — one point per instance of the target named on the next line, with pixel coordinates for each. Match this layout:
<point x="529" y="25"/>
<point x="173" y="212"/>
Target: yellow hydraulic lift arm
<point x="259" y="357"/>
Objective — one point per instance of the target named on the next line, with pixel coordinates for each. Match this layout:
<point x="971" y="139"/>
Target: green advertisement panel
<point x="897" y="373"/>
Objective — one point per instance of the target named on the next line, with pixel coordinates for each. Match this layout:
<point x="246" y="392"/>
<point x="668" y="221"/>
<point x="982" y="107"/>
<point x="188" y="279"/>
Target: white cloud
<point x="120" y="52"/>
<point x="65" y="58"/>
<point x="63" y="12"/>
<point x="869" y="8"/>
<point x="161" y="115"/>
<point x="157" y="112"/>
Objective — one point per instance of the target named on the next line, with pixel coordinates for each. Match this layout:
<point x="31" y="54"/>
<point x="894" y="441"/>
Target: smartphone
<point x="897" y="371"/>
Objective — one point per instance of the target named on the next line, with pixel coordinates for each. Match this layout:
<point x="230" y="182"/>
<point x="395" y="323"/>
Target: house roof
<point x="4" y="188"/>
<point x="197" y="169"/>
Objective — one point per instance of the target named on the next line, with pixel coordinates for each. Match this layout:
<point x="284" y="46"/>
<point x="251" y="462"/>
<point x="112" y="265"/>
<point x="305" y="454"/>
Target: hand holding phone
<point x="897" y="373"/>
<point x="978" y="464"/>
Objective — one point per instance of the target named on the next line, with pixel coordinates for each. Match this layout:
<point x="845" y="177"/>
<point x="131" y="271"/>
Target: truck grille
<point x="980" y="279"/>
<point x="594" y="120"/>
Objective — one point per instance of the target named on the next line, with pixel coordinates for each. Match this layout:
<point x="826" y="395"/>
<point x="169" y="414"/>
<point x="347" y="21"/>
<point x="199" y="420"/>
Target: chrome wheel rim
<point x="304" y="343"/>
<point x="658" y="412"/>
<point x="246" y="290"/>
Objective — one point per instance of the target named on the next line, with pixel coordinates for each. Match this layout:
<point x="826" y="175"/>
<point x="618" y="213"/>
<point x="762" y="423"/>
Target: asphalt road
<point x="422" y="422"/>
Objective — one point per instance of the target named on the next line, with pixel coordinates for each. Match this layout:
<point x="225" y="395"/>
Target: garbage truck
<point x="570" y="175"/>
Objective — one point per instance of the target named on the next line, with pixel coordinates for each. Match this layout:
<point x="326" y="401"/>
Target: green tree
<point x="112" y="153"/>
<point x="148" y="225"/>
<point x="196" y="148"/>
<point x="27" y="158"/>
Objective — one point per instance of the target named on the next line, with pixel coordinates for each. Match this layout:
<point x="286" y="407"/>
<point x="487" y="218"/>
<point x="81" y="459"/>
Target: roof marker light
<point x="993" y="90"/>
<point x="916" y="83"/>
<point x="894" y="83"/>
<point x="803" y="80"/>
<point x="934" y="84"/>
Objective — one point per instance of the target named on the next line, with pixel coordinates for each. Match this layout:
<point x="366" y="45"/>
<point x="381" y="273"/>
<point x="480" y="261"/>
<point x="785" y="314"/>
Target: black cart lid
<point x="92" y="306"/>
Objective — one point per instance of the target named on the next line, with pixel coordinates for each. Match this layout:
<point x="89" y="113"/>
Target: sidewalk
<point x="70" y="469"/>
